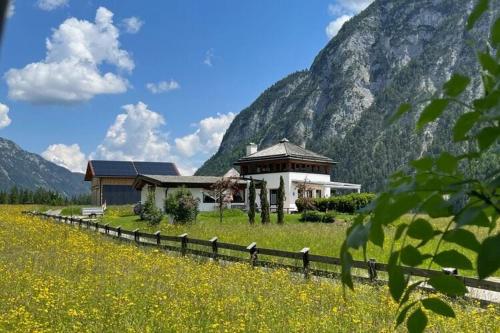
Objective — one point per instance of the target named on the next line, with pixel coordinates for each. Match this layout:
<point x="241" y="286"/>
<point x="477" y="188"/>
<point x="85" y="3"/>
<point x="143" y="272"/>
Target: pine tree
<point x="251" y="199"/>
<point x="281" y="201"/>
<point x="264" y="204"/>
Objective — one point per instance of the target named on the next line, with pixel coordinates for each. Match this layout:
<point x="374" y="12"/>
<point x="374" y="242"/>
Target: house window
<point x="318" y="193"/>
<point x="239" y="196"/>
<point x="207" y="198"/>
<point x="309" y="193"/>
<point x="273" y="196"/>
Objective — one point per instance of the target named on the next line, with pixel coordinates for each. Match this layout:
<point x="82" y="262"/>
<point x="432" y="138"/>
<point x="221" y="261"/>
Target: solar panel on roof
<point x="156" y="168"/>
<point x="113" y="168"/>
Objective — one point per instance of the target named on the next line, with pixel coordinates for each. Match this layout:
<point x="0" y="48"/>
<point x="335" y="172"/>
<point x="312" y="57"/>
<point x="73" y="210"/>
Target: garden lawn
<point x="57" y="278"/>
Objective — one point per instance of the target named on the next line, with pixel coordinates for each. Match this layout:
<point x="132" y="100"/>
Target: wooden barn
<point x="111" y="181"/>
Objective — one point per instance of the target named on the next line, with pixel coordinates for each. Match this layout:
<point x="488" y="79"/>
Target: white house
<point x="295" y="164"/>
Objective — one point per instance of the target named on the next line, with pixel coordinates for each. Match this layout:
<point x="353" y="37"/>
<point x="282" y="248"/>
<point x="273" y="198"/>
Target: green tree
<point x="265" y="214"/>
<point x="281" y="201"/>
<point x="441" y="187"/>
<point x="251" y="202"/>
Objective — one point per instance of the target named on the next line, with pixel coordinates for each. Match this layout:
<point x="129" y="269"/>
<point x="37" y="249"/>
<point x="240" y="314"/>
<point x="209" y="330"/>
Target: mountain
<point x="27" y="170"/>
<point x="392" y="52"/>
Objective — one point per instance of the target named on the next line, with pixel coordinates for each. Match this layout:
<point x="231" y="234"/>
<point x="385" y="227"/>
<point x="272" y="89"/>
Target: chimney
<point x="251" y="148"/>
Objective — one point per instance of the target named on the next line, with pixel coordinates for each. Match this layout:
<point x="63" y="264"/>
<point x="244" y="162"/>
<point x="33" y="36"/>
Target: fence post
<point x="158" y="238"/>
<point x="136" y="235"/>
<point x="372" y="269"/>
<point x="80" y="221"/>
<point x="305" y="261"/>
<point x="106" y="228"/>
<point x="66" y="220"/>
<point x="119" y="231"/>
<point x="184" y="241"/>
<point x="215" y="248"/>
<point x="252" y="249"/>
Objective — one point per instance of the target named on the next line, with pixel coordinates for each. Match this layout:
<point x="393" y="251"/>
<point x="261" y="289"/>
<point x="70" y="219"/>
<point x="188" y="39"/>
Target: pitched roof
<point x="128" y="169"/>
<point x="285" y="150"/>
<point x="189" y="181"/>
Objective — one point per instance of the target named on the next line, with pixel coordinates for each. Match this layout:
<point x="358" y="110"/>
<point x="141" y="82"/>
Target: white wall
<point x="161" y="193"/>
<point x="291" y="193"/>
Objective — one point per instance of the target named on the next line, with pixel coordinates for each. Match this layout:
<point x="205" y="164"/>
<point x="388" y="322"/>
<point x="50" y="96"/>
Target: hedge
<point x="348" y="203"/>
<point x="315" y="216"/>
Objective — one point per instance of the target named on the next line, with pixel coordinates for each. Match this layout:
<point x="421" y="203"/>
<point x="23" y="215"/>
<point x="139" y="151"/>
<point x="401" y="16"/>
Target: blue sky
<point x="154" y="80"/>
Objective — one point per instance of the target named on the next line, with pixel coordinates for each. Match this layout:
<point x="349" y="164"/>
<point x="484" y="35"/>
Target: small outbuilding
<point x="111" y="181"/>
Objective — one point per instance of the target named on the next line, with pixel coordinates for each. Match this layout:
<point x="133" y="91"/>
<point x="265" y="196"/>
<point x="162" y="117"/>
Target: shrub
<point x="311" y="216"/>
<point x="150" y="212"/>
<point x="348" y="203"/>
<point x="138" y="208"/>
<point x="305" y="204"/>
<point x="182" y="206"/>
<point x="329" y="217"/>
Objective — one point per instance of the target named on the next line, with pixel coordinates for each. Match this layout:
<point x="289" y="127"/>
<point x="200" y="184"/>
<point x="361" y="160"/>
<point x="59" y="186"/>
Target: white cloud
<point x="207" y="137"/>
<point x="343" y="10"/>
<point x="135" y="135"/>
<point x="132" y="24"/>
<point x="70" y="71"/>
<point x="209" y="56"/>
<point x="11" y="10"/>
<point x="51" y="4"/>
<point x="66" y="156"/>
<point x="334" y="26"/>
<point x="341" y="7"/>
<point x="163" y="86"/>
<point x="138" y="134"/>
<point x="4" y="116"/>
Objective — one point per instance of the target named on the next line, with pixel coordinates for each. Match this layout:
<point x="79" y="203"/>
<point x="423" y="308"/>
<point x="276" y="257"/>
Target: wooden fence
<point x="302" y="261"/>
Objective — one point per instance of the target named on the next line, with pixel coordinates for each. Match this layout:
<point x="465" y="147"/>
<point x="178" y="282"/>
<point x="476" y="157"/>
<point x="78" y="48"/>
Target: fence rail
<point x="252" y="253"/>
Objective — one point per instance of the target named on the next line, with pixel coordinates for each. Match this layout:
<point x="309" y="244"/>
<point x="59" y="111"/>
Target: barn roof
<point x="128" y="169"/>
<point x="284" y="150"/>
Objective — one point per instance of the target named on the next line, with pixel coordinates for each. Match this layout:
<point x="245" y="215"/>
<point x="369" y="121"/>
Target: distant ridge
<point x="31" y="171"/>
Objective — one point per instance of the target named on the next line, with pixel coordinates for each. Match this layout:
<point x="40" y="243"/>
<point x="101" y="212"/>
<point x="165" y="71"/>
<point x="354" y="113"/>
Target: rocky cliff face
<point x="391" y="53"/>
<point x="30" y="171"/>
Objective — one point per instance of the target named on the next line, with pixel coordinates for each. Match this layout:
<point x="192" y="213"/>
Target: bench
<point x="92" y="211"/>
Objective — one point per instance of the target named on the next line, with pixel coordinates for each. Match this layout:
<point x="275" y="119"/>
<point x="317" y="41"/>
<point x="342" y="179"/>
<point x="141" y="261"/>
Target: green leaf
<point x="447" y="162"/>
<point x="495" y="32"/>
<point x="436" y="206"/>
<point x="472" y="216"/>
<point x="403" y="108"/>
<point x="357" y="237"/>
<point x="399" y="231"/>
<point x="448" y="285"/>
<point x="411" y="256"/>
<point x="397" y="281"/>
<point x="464" y="124"/>
<point x="476" y="13"/>
<point x="402" y="314"/>
<point x="488" y="258"/>
<point x="346" y="263"/>
<point x="488" y="63"/>
<point x="438" y="306"/>
<point x="420" y="229"/>
<point x="456" y="85"/>
<point x="452" y="258"/>
<point x="487" y="136"/>
<point x="423" y="164"/>
<point x="417" y="321"/>
<point x="377" y="235"/>
<point x="432" y="112"/>
<point x="462" y="237"/>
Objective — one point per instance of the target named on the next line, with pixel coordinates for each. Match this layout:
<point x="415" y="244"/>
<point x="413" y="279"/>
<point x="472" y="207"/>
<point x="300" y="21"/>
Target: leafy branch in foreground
<point x="437" y="187"/>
